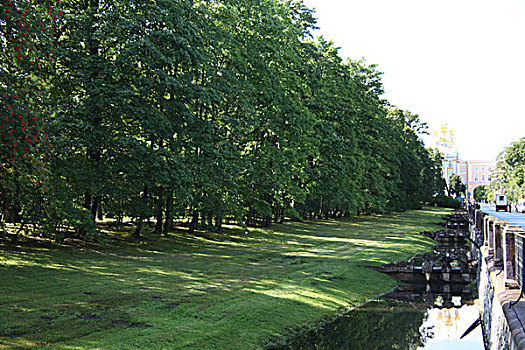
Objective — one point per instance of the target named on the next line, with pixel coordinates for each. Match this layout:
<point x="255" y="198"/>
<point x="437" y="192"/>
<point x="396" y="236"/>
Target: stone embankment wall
<point x="496" y="332"/>
<point x="500" y="280"/>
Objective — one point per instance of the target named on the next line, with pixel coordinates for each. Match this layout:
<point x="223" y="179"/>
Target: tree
<point x="333" y="172"/>
<point x="27" y="60"/>
<point x="511" y="170"/>
<point x="205" y="111"/>
<point x="482" y="193"/>
<point x="434" y="185"/>
<point x="456" y="187"/>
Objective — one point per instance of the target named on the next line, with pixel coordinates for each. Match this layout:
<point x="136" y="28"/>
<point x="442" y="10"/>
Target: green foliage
<point x="445" y="202"/>
<point x="456" y="185"/>
<point x="27" y="60"/>
<point x="511" y="171"/>
<point x="482" y="193"/>
<point x="206" y="112"/>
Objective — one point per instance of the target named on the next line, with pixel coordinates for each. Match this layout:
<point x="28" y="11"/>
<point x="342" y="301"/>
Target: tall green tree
<point x="510" y="175"/>
<point x="267" y="62"/>
<point x="27" y="59"/>
<point x="333" y="168"/>
<point x="482" y="193"/>
<point x="456" y="186"/>
<point x="212" y="110"/>
<point x="434" y="185"/>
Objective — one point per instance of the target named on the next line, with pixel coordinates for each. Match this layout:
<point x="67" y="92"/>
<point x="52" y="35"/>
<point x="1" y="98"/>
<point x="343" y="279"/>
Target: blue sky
<point x="454" y="62"/>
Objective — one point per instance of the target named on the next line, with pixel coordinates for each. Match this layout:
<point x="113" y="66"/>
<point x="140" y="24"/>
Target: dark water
<point x="412" y="318"/>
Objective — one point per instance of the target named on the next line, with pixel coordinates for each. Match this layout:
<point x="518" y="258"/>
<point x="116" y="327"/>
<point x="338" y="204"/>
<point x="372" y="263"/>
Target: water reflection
<point x="412" y="318"/>
<point x="444" y="327"/>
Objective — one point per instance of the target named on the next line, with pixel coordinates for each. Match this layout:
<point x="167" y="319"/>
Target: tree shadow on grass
<point x="59" y="294"/>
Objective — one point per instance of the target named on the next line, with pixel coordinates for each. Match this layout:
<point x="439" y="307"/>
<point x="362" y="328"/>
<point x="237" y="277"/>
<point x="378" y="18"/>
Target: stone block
<point x="497" y="241"/>
<point x="509" y="247"/>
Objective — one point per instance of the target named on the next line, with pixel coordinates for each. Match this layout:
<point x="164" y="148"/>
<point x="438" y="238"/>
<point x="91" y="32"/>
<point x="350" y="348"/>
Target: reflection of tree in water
<point x="376" y="326"/>
<point x="427" y="333"/>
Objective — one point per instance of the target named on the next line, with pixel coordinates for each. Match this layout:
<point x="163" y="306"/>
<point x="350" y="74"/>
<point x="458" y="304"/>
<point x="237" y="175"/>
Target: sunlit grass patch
<point x="229" y="290"/>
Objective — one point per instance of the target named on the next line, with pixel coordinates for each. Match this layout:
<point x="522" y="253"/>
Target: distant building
<point x="445" y="145"/>
<point x="476" y="173"/>
<point x="473" y="173"/>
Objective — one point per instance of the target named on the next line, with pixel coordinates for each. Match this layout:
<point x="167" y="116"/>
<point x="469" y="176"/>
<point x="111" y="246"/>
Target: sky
<point x="454" y="62"/>
<point x="448" y="325"/>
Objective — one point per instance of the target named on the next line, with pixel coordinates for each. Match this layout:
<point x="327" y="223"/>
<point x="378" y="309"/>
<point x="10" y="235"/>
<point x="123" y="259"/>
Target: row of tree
<point x="204" y="110"/>
<point x="510" y="172"/>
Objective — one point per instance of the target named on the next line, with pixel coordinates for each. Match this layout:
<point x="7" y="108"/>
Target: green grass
<point x="231" y="290"/>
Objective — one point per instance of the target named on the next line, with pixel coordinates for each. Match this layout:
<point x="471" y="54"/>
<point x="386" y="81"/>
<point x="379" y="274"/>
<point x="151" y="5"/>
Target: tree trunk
<point x="158" y="222"/>
<point x="209" y="221"/>
<point x="12" y="214"/>
<point x="140" y="222"/>
<point x="249" y="217"/>
<point x="138" y="229"/>
<point x="168" y="221"/>
<point x="100" y="212"/>
<point x="218" y="223"/>
<point x="203" y="218"/>
<point x="194" y="222"/>
<point x="87" y="201"/>
<point x="93" y="153"/>
<point x="94" y="207"/>
<point x="87" y="205"/>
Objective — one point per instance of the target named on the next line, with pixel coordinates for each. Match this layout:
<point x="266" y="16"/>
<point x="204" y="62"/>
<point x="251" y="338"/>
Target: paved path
<point x="512" y="218"/>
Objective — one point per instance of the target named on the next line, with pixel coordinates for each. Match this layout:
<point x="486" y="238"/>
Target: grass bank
<point x="231" y="290"/>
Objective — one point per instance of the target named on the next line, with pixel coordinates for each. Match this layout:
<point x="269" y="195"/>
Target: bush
<point x="445" y="202"/>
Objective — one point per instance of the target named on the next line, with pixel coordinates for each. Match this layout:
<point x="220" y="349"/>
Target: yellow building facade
<point x="473" y="173"/>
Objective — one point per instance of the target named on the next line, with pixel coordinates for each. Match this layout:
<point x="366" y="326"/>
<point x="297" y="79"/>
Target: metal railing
<point x="519" y="244"/>
<point x="519" y="253"/>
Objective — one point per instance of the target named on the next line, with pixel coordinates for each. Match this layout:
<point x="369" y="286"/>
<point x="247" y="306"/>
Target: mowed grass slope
<point x="229" y="290"/>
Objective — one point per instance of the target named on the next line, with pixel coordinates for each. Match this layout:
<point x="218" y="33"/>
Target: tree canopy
<point x="456" y="186"/>
<point x="198" y="110"/>
<point x="510" y="171"/>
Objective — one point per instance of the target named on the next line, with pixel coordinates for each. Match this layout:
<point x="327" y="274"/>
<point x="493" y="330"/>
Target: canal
<point x="422" y="313"/>
<point x="413" y="317"/>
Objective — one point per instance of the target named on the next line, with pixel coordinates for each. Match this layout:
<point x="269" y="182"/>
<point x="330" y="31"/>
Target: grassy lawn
<point x="231" y="290"/>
